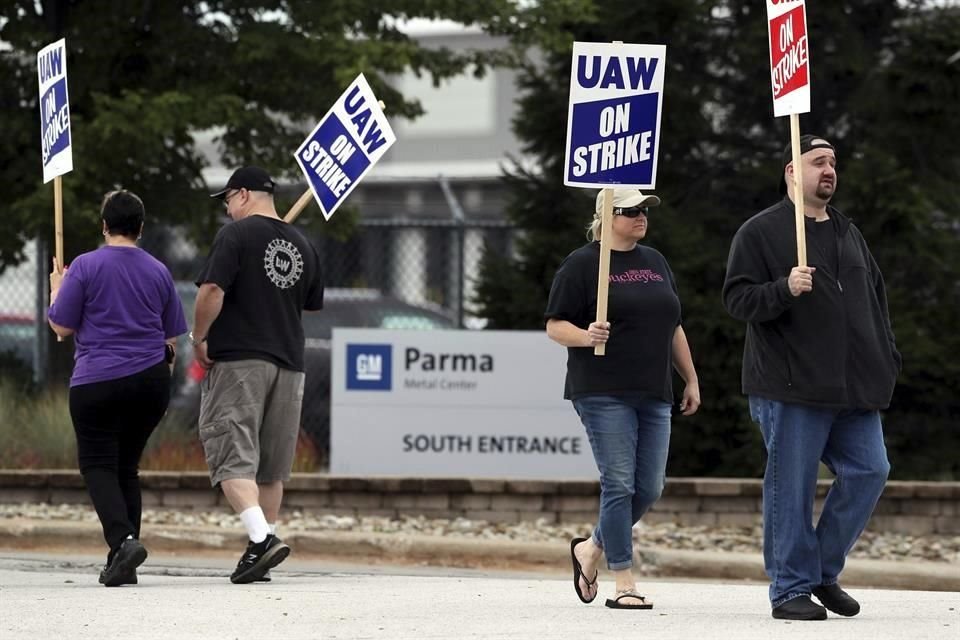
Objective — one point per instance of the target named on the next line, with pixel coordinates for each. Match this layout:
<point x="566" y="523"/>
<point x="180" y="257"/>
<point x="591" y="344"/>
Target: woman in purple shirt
<point x="120" y="304"/>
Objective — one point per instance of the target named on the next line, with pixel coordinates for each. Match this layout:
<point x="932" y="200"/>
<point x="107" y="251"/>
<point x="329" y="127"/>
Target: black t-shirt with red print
<point x="643" y="309"/>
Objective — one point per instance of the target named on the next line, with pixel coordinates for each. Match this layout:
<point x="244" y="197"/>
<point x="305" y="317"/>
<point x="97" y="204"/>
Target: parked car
<point x="361" y="308"/>
<point x="181" y="370"/>
<point x="18" y="332"/>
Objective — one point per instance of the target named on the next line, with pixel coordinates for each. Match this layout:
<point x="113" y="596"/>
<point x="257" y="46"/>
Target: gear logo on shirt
<point x="283" y="263"/>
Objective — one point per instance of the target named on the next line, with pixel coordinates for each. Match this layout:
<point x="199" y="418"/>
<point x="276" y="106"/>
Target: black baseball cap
<point x="249" y="178"/>
<point x="808" y="142"/>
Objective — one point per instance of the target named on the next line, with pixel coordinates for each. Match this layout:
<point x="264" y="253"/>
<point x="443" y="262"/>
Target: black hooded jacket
<point x="832" y="347"/>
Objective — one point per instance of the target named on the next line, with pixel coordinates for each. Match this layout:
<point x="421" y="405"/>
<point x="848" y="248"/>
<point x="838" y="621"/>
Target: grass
<point x="36" y="433"/>
<point x="35" y="429"/>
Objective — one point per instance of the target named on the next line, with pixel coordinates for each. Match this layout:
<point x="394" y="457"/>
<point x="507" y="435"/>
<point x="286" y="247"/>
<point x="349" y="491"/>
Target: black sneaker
<point x="837" y="600"/>
<point x="259" y="558"/>
<point x="129" y="578"/>
<point x="801" y="608"/>
<point x="122" y="570"/>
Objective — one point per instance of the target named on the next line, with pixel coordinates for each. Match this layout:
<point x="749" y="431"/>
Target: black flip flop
<point x="616" y="604"/>
<point x="578" y="573"/>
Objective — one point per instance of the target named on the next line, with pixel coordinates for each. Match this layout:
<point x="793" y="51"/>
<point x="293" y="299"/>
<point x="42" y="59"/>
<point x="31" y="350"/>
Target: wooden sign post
<point x="790" y="82"/>
<point x="603" y="277"/>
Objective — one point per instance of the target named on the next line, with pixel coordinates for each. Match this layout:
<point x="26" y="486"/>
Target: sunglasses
<point x="632" y="212"/>
<point x="228" y="198"/>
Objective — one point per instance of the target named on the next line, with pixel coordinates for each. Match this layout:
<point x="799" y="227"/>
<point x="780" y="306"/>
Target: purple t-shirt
<point x="122" y="304"/>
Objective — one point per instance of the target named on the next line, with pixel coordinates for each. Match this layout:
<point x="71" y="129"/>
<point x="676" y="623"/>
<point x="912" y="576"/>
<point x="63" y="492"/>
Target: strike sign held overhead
<point x="348" y="141"/>
<point x="55" y="142"/>
<point x="613" y="122"/>
<point x="789" y="56"/>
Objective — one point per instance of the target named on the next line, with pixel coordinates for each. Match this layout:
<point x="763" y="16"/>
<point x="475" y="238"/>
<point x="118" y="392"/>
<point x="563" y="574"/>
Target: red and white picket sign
<point x="789" y="56"/>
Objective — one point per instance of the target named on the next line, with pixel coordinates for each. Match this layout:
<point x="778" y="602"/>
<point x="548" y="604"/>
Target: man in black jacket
<point x="819" y="362"/>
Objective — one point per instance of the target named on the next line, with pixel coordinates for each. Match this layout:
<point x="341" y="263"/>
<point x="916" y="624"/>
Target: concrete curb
<point x="20" y="534"/>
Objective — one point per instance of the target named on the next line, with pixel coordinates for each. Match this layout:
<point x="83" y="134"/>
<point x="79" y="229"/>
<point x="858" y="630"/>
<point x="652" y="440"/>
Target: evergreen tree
<point x="882" y="91"/>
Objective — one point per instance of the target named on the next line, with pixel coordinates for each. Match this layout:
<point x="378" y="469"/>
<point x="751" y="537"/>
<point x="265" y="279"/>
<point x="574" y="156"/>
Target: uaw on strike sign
<point x="789" y="56"/>
<point x="344" y="146"/>
<point x="613" y="123"/>
<point x="54" y="111"/>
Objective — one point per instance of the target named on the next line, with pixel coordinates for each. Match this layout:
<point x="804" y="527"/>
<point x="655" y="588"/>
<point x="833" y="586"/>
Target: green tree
<point x="908" y="205"/>
<point x="882" y="91"/>
<point x="145" y="77"/>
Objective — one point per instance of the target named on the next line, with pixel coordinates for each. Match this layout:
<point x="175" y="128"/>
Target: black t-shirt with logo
<point x="643" y="309"/>
<point x="269" y="273"/>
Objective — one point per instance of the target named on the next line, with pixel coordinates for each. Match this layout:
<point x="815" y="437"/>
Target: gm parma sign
<point x="453" y="403"/>
<point x="613" y="121"/>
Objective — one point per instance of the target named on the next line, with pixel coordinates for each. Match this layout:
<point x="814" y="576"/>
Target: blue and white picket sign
<point x="344" y="146"/>
<point x="613" y="123"/>
<point x="55" y="138"/>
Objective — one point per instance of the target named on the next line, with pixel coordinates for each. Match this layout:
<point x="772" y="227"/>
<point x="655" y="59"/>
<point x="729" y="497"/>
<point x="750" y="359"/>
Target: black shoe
<point x="801" y="608"/>
<point x="837" y="600"/>
<point x="129" y="578"/>
<point x="259" y="558"/>
<point x="122" y="570"/>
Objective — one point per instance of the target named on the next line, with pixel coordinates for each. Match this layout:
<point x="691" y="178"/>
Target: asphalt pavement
<point x="57" y="596"/>
<point x="374" y="548"/>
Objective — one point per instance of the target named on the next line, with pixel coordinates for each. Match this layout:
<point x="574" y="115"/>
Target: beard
<point x="825" y="190"/>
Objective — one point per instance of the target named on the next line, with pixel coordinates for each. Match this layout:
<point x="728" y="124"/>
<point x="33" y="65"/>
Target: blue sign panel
<point x="332" y="162"/>
<point x="369" y="367"/>
<point x="624" y="158"/>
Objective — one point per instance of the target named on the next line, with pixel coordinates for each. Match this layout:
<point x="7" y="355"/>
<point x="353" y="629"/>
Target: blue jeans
<point x="629" y="438"/>
<point x="797" y="556"/>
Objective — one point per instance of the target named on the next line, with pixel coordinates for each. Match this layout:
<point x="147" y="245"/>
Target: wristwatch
<point x="194" y="341"/>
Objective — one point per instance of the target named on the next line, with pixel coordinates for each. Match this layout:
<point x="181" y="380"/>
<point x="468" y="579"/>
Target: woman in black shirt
<point x="624" y="398"/>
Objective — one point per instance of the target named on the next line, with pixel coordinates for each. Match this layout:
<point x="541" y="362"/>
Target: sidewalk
<point x="21" y="534"/>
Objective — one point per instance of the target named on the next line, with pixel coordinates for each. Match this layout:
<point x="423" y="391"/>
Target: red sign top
<point x="789" y="55"/>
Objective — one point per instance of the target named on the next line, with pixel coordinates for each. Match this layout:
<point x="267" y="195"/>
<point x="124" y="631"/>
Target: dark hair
<point x="123" y="213"/>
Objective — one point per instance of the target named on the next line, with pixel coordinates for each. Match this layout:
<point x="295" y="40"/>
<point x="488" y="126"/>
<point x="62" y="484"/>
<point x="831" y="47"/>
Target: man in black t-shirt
<point x="260" y="275"/>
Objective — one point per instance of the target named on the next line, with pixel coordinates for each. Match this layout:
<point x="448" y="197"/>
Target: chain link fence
<point x="411" y="262"/>
<point x="22" y="339"/>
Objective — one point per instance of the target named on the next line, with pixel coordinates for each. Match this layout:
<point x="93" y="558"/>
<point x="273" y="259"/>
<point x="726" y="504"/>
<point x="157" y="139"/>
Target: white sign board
<point x="789" y="56"/>
<point x="613" y="121"/>
<point x="481" y="404"/>
<point x="55" y="142"/>
<point x="344" y="146"/>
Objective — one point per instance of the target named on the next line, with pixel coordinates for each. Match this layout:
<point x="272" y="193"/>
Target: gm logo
<point x="369" y="367"/>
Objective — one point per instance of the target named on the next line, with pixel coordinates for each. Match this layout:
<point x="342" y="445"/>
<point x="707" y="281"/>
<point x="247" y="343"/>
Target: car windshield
<point x="378" y="314"/>
<point x="408" y="321"/>
<point x="349" y="308"/>
<point x="17" y="331"/>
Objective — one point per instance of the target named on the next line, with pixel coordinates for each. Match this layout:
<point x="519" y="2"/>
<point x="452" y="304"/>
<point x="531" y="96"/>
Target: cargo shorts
<point x="250" y="420"/>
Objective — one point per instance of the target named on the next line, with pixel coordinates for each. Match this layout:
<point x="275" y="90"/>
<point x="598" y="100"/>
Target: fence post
<point x="456" y="212"/>
<point x="41" y="342"/>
